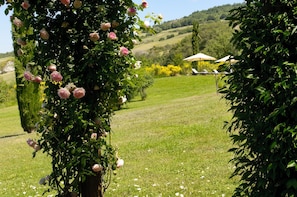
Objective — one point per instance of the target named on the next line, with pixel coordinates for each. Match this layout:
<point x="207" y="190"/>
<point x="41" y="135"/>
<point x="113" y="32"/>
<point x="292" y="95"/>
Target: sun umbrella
<point x="227" y="58"/>
<point x="199" y="57"/>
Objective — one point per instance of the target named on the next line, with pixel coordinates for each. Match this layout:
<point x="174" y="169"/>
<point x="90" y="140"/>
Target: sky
<point x="170" y="10"/>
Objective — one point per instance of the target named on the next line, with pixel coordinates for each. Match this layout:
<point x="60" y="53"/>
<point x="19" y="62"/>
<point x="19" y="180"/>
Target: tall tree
<point x="195" y="40"/>
<point x="262" y="93"/>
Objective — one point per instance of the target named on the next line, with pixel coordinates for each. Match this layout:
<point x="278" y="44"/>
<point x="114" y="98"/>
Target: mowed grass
<point x="173" y="144"/>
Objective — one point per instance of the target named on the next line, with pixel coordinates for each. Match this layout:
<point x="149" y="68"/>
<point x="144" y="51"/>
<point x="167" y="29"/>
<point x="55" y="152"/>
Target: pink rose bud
<point x="52" y="67"/>
<point x="94" y="136"/>
<point x="56" y="76"/>
<point x="105" y="26"/>
<point x="44" y="34"/>
<point x="36" y="147"/>
<point x="115" y="24"/>
<point x="28" y="75"/>
<point x="63" y="93"/>
<point x="21" y="42"/>
<point x="77" y="4"/>
<point x="144" y="4"/>
<point x="79" y="92"/>
<point x="124" y="51"/>
<point x="94" y="36"/>
<point x="120" y="163"/>
<point x="20" y="52"/>
<point x="65" y="2"/>
<point x="112" y="36"/>
<point x="131" y="11"/>
<point x="97" y="168"/>
<point x="17" y="22"/>
<point x="25" y="5"/>
<point x="31" y="142"/>
<point x="37" y="79"/>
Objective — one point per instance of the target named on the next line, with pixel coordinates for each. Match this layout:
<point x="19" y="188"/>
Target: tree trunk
<point x="92" y="187"/>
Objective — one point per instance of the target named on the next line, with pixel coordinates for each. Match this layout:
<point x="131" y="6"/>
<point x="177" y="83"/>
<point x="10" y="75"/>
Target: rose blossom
<point x="120" y="163"/>
<point x="28" y="75"/>
<point x="44" y="34"/>
<point x="94" y="136"/>
<point x="64" y="93"/>
<point x="124" y="51"/>
<point x="21" y="42"/>
<point x="25" y="5"/>
<point x="147" y="24"/>
<point x="131" y="11"/>
<point x="20" y="52"/>
<point x="52" y="67"/>
<point x="37" y="79"/>
<point x="94" y="36"/>
<point x="65" y="2"/>
<point x="79" y="92"/>
<point x="112" y="36"/>
<point x="56" y="76"/>
<point x="17" y="22"/>
<point x="97" y="168"/>
<point x="31" y="142"/>
<point x="144" y="4"/>
<point x="105" y="26"/>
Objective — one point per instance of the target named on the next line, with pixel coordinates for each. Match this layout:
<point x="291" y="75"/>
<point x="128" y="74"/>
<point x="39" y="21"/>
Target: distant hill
<point x="172" y="41"/>
<point x="211" y="15"/>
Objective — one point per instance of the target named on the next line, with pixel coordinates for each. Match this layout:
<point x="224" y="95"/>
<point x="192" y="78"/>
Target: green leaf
<point x="291" y="164"/>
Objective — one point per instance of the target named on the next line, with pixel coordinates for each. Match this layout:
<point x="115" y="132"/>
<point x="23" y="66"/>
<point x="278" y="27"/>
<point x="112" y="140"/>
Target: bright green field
<point x="173" y="144"/>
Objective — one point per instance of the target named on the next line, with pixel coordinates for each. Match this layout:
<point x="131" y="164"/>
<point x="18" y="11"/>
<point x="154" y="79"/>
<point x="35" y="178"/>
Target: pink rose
<point x="52" y="67"/>
<point x="79" y="92"/>
<point x="64" y="93"/>
<point x="131" y="11"/>
<point x="65" y="2"/>
<point x="31" y="142"/>
<point x="97" y="168"/>
<point x="44" y="34"/>
<point x="124" y="51"/>
<point x="21" y="42"/>
<point x="56" y="76"/>
<point x="94" y="136"/>
<point x="28" y="75"/>
<point x="112" y="36"/>
<point x="25" y="5"/>
<point x="20" y="52"/>
<point x="120" y="163"/>
<point x="105" y="26"/>
<point x="94" y="36"/>
<point x="17" y="22"/>
<point x="144" y="4"/>
<point x="37" y="79"/>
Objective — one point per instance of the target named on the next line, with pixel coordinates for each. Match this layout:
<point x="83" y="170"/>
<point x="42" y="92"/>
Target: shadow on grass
<point x="13" y="135"/>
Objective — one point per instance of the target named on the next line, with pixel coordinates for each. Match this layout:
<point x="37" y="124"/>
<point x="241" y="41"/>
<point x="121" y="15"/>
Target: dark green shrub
<point x="263" y="96"/>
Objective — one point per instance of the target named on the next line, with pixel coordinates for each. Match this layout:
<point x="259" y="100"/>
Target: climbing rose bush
<point x="82" y="54"/>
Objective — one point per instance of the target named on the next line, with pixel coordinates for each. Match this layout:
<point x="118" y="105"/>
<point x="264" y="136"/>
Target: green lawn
<point x="173" y="144"/>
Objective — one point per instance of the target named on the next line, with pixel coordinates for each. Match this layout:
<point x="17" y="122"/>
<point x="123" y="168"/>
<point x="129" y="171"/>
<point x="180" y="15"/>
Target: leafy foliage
<point x="262" y="93"/>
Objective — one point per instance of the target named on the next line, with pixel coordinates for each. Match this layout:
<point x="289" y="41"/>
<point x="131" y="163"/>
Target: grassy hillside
<point x="173" y="144"/>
